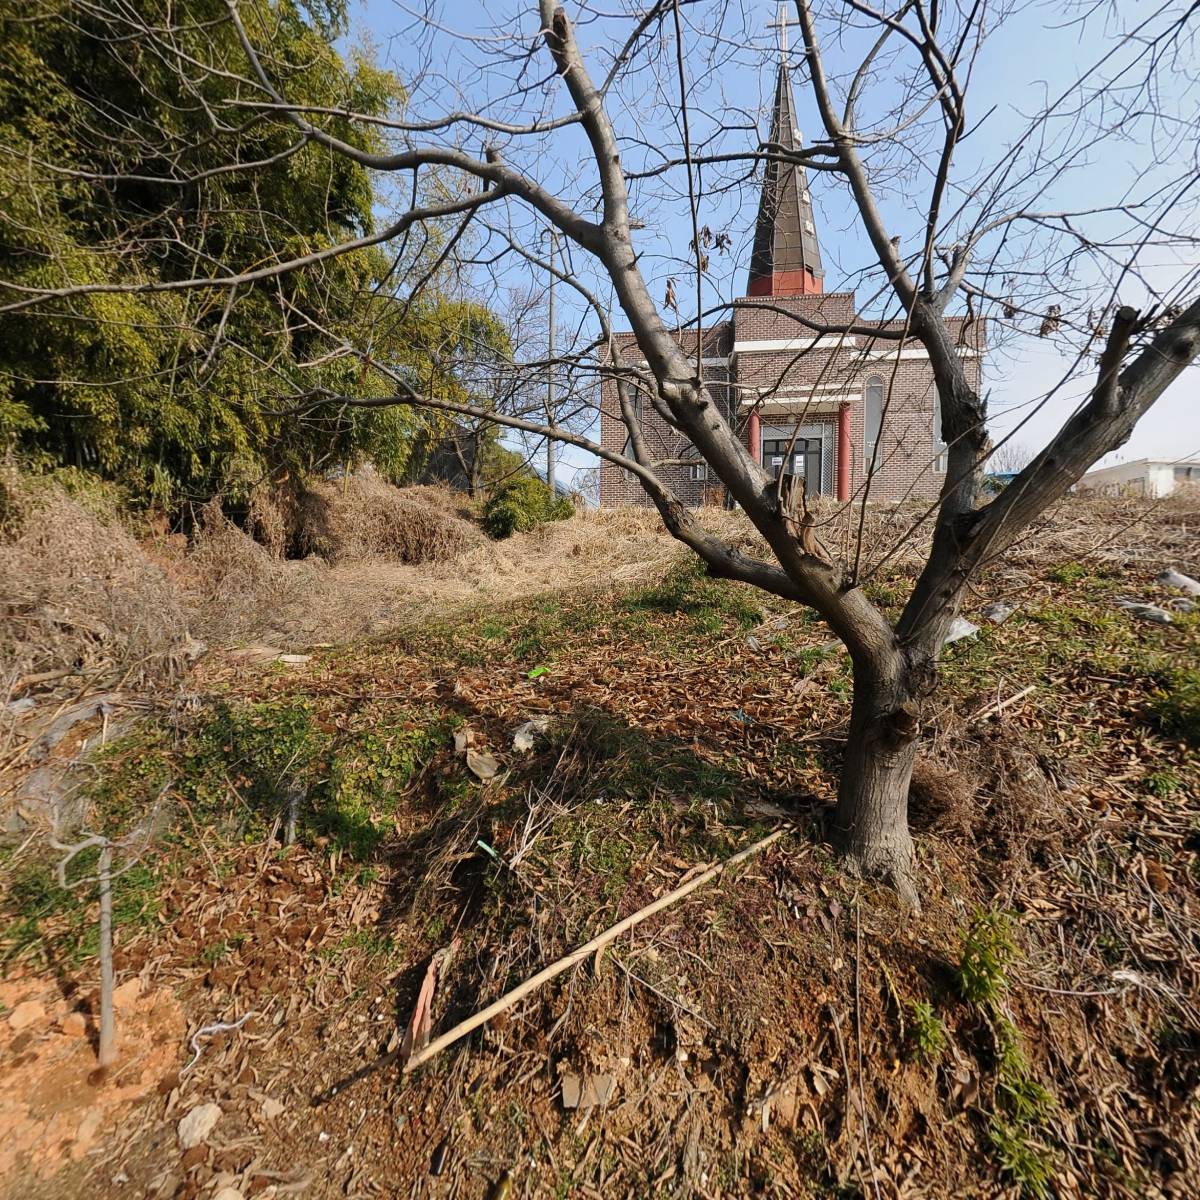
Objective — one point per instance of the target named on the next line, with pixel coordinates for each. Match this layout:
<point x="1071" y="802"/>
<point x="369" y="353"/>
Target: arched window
<point x="939" y="446"/>
<point x="872" y="421"/>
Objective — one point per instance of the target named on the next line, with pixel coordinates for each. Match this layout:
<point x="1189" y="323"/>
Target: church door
<point x="803" y="462"/>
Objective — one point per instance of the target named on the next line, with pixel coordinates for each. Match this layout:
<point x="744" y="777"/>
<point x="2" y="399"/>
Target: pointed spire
<point x="786" y="259"/>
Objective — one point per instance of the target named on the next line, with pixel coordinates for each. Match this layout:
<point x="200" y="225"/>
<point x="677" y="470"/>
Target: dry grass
<point x="362" y="517"/>
<point x="80" y="597"/>
<point x="235" y="586"/>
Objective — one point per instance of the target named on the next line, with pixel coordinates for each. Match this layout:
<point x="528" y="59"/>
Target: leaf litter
<point x="754" y="1036"/>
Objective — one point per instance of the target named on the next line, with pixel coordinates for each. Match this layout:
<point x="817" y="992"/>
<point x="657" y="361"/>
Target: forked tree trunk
<point x="871" y="821"/>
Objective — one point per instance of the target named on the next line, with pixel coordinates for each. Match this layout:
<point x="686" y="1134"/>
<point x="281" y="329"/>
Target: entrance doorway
<point x="804" y="461"/>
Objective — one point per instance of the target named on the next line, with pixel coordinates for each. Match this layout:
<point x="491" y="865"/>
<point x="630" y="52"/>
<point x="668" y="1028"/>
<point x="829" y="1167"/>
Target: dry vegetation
<point x="81" y="602"/>
<point x="785" y="1032"/>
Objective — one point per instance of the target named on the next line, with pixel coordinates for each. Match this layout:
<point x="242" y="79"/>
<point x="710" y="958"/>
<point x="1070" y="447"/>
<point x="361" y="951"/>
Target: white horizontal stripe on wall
<point x="819" y="343"/>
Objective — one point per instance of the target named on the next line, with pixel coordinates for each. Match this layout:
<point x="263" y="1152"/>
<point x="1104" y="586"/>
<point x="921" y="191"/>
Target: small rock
<point x="74" y="1024"/>
<point x="198" y="1124"/>
<point x="997" y="612"/>
<point x="1176" y="579"/>
<point x="294" y="660"/>
<point x="28" y="1012"/>
<point x="127" y="993"/>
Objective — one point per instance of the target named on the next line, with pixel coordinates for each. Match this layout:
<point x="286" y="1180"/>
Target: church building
<point x="837" y="409"/>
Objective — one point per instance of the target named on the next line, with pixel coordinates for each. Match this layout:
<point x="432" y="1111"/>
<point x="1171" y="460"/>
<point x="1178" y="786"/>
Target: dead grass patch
<point x="362" y="517"/>
<point x="80" y="597"/>
<point x="236" y="586"/>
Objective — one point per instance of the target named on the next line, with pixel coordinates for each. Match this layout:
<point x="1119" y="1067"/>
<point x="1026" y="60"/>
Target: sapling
<point x="104" y="877"/>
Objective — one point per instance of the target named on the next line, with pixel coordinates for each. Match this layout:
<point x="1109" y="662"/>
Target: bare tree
<point x="1009" y="458"/>
<point x="894" y="119"/>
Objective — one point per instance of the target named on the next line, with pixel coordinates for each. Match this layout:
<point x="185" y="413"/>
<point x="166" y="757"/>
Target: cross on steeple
<point x="787" y="259"/>
<point x="781" y="23"/>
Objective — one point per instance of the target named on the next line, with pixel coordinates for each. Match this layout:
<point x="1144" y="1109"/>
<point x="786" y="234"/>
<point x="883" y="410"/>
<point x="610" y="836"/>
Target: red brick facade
<point x="764" y="361"/>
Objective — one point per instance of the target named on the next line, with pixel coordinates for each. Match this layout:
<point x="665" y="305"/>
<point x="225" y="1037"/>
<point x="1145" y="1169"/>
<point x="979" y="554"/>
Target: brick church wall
<point x="803" y="385"/>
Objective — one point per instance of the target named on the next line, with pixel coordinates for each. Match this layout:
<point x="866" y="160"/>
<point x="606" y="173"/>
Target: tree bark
<point x="871" y="820"/>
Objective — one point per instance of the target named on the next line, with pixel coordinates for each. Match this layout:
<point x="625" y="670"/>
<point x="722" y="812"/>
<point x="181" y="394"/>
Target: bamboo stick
<point x="576" y="956"/>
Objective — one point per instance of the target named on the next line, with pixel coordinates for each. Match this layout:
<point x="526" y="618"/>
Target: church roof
<point x="786" y="260"/>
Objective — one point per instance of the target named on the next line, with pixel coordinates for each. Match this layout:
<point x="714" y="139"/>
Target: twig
<point x="103" y="877"/>
<point x="576" y="956"/>
<point x="999" y="706"/>
<point x="208" y="1031"/>
<point x="862" y="1094"/>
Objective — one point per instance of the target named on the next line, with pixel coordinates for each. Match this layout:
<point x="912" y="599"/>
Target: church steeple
<point x="786" y="259"/>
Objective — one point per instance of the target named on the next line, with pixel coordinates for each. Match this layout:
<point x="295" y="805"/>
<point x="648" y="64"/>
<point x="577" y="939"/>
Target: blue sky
<point x="1034" y="52"/>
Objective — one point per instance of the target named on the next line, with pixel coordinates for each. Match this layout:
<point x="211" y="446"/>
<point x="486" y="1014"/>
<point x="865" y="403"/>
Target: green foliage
<point x="927" y="1034"/>
<point x="1163" y="783"/>
<point x="1175" y="705"/>
<point x="1028" y="1163"/>
<point x="1024" y="1104"/>
<point x="1067" y="573"/>
<point x="170" y="392"/>
<point x="369" y="772"/>
<point x="708" y="603"/>
<point x="61" y="922"/>
<point x="245" y="754"/>
<point x="522" y="504"/>
<point x="987" y="952"/>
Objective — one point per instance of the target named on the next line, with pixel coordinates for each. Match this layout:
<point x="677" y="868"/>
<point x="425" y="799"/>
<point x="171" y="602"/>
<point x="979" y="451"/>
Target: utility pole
<point x="551" y="449"/>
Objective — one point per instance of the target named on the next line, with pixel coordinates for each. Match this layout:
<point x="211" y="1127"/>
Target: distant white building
<point x="1153" y="477"/>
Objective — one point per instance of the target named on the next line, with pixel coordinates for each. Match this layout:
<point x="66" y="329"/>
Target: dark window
<point x="804" y="461"/>
<point x="699" y="470"/>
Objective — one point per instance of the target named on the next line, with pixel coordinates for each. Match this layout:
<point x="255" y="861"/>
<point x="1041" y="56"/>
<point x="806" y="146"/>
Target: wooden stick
<point x="995" y="709"/>
<point x="576" y="956"/>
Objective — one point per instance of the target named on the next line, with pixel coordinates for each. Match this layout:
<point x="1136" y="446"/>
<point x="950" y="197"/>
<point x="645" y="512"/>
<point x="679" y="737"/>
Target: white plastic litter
<point x="997" y="612"/>
<point x="1147" y="612"/>
<point x="1184" y="583"/>
<point x="960" y="628"/>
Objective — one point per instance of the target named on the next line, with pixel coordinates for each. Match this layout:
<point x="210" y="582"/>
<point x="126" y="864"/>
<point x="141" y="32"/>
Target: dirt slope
<point x="787" y="1031"/>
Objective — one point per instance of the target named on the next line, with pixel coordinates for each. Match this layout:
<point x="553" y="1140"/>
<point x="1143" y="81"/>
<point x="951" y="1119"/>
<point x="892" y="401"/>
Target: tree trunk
<point x="871" y="822"/>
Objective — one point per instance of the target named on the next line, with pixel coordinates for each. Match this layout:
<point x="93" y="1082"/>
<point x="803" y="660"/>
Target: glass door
<point x="804" y="461"/>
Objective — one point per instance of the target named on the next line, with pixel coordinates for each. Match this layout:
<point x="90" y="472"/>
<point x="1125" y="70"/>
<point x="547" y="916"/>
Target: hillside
<point x="785" y="1030"/>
